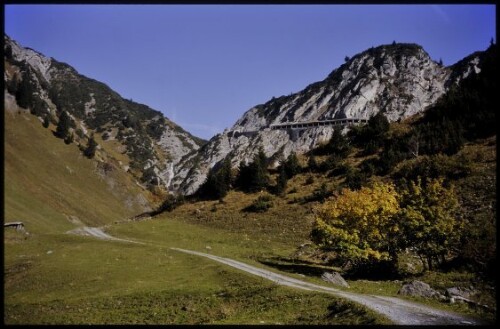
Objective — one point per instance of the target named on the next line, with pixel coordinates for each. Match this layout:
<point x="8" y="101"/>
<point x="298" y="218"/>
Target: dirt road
<point x="397" y="310"/>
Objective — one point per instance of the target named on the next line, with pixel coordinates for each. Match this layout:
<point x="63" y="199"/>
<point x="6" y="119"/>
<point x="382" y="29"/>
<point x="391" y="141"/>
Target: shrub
<point x="434" y="166"/>
<point x="170" y="203"/>
<point x="309" y="180"/>
<point x="261" y="204"/>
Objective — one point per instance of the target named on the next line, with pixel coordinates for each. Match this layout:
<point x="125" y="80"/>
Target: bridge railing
<point x="301" y="125"/>
<point x="308" y="124"/>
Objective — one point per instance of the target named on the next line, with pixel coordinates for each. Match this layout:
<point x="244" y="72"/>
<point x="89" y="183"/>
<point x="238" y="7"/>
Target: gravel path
<point x="97" y="233"/>
<point x="397" y="310"/>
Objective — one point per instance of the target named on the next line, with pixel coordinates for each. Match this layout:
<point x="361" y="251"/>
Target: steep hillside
<point x="148" y="145"/>
<point x="52" y="187"/>
<point x="399" y="80"/>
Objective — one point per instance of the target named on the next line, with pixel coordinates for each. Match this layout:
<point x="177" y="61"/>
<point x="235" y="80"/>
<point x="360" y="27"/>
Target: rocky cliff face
<point x="399" y="79"/>
<point x="148" y="145"/>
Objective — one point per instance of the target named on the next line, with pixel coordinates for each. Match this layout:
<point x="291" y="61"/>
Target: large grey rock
<point x="334" y="278"/>
<point x="460" y="292"/>
<point x="418" y="288"/>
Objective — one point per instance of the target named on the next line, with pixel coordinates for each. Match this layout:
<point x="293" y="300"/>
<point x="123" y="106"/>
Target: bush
<point x="320" y="194"/>
<point x="338" y="145"/>
<point x="170" y="203"/>
<point x="309" y="180"/>
<point x="355" y="179"/>
<point x="434" y="166"/>
<point x="261" y="204"/>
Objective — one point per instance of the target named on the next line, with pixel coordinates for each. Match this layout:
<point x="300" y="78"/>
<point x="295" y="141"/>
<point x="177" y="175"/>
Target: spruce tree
<point x="218" y="182"/>
<point x="91" y="148"/>
<point x="63" y="126"/>
<point x="338" y="144"/>
<point x="260" y="178"/>
<point x="46" y="121"/>
<point x="312" y="164"/>
<point x="292" y="165"/>
<point x="253" y="177"/>
<point x="281" y="182"/>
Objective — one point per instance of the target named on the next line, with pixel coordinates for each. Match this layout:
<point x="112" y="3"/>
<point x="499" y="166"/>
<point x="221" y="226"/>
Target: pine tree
<point x="226" y="173"/>
<point x="24" y="92"/>
<point x="253" y="177"/>
<point x="260" y="177"/>
<point x="63" y="126"/>
<point x="338" y="144"/>
<point x="312" y="165"/>
<point x="69" y="138"/>
<point x="281" y="182"/>
<point x="46" y="121"/>
<point x="91" y="148"/>
<point x="292" y="165"/>
<point x="218" y="182"/>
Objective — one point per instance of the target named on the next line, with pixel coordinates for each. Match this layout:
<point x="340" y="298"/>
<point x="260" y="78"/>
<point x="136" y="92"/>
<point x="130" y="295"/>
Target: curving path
<point x="397" y="310"/>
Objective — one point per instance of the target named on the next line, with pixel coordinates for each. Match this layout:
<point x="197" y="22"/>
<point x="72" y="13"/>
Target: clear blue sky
<point x="203" y="66"/>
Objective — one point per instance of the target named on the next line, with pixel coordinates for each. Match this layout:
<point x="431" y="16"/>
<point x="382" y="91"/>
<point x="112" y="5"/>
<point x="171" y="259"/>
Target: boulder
<point x="418" y="288"/>
<point x="334" y="278"/>
<point x="460" y="292"/>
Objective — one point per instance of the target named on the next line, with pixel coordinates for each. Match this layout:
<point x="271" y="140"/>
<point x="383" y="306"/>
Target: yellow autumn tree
<point x="359" y="225"/>
<point x="428" y="219"/>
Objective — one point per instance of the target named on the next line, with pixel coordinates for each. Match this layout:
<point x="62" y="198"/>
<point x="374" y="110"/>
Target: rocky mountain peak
<point x="398" y="79"/>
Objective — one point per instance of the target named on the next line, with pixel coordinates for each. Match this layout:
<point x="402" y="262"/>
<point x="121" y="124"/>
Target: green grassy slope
<point x="48" y="183"/>
<point x="61" y="279"/>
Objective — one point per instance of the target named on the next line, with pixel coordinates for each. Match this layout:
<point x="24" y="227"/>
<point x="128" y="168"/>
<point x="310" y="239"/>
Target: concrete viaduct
<point x="302" y="125"/>
<point x="311" y="124"/>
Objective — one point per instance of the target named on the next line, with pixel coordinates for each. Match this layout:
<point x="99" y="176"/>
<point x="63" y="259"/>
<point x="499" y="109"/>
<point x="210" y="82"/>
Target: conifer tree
<point x="218" y="182"/>
<point x="312" y="164"/>
<point x="91" y="148"/>
<point x="46" y="121"/>
<point x="63" y="126"/>
<point x="281" y="181"/>
<point x="253" y="177"/>
<point x="292" y="165"/>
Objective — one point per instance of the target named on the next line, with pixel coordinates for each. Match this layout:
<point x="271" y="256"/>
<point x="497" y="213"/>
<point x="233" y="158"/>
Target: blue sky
<point x="203" y="66"/>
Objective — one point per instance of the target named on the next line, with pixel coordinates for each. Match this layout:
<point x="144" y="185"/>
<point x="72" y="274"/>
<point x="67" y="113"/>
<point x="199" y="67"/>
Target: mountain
<point x="399" y="80"/>
<point x="144" y="143"/>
